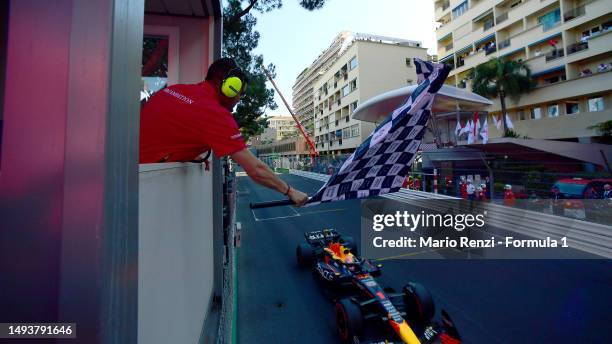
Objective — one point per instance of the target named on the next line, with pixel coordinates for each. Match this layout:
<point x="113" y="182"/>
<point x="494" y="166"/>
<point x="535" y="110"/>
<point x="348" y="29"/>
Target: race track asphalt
<point x="491" y="301"/>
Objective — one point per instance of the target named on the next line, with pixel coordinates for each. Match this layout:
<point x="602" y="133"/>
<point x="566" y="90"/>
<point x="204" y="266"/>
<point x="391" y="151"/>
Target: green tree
<point x="603" y="128"/>
<point x="499" y="77"/>
<point x="239" y="40"/>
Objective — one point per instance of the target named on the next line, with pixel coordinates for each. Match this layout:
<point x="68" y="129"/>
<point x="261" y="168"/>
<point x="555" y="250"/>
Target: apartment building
<point x="366" y="66"/>
<point x="566" y="43"/>
<point x="284" y="125"/>
<point x="303" y="103"/>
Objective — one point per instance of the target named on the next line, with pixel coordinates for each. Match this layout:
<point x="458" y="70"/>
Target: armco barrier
<point x="586" y="236"/>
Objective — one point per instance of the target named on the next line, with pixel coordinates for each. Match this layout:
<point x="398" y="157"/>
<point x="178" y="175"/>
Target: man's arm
<point x="261" y="174"/>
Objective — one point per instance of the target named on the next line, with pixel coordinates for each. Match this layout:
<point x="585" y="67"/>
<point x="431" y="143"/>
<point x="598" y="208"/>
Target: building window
<point x="572" y="108"/>
<point x="353" y="106"/>
<point x="461" y="9"/>
<point x="536" y="113"/>
<point x="353" y="63"/>
<point x="345" y="91"/>
<point x="346" y="133"/>
<point x="408" y="62"/>
<point x="550" y="19"/>
<point x="353" y="84"/>
<point x="355" y="130"/>
<point x="160" y="53"/>
<point x="553" y="110"/>
<point x="521" y="115"/>
<point x="596" y="104"/>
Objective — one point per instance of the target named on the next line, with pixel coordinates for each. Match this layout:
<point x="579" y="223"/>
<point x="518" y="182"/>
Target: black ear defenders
<point x="233" y="82"/>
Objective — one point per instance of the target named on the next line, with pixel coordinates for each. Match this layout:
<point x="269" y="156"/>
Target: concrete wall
<point x="383" y="68"/>
<point x="176" y="252"/>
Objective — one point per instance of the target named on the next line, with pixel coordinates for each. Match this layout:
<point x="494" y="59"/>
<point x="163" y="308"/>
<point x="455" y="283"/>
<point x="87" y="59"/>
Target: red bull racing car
<point x="405" y="317"/>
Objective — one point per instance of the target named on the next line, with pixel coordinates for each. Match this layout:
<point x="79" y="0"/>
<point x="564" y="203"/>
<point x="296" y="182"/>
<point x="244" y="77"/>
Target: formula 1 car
<point x="406" y="317"/>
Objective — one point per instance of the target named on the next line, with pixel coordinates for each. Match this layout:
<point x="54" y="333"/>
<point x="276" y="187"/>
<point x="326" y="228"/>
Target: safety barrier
<point x="586" y="236"/>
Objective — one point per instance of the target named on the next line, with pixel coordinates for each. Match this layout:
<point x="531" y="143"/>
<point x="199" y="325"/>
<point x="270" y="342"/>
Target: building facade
<point x="303" y="102"/>
<point x="282" y="127"/>
<point x="366" y="66"/>
<point x="567" y="45"/>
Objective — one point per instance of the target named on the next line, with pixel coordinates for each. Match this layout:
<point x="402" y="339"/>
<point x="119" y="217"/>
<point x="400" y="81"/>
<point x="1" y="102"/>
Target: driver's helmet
<point x="349" y="258"/>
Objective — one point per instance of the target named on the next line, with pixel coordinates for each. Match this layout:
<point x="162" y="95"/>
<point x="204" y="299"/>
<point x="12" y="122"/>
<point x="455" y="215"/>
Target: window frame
<point x="351" y="89"/>
<point x="533" y="113"/>
<point x="350" y="63"/>
<point x="603" y="107"/>
<point x="342" y="91"/>
<point x="354" y="130"/>
<point x="550" y="107"/>
<point x="173" y="34"/>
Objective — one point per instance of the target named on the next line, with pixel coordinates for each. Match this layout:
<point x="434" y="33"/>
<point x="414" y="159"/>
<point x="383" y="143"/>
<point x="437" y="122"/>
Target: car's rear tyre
<point x="419" y="304"/>
<point x="349" y="320"/>
<point x="349" y="242"/>
<point x="304" y="255"/>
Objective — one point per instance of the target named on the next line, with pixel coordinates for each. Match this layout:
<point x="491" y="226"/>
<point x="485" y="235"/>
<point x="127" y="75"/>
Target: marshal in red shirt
<point x="181" y="122"/>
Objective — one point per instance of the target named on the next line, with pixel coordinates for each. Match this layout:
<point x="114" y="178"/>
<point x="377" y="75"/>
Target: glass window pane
<point x="572" y="108"/>
<point x="596" y="104"/>
<point x="553" y="110"/>
<point x="154" y="65"/>
<point x="353" y="63"/>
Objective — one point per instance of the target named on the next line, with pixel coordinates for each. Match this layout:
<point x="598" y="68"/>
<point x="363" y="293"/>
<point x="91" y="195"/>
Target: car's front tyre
<point x="419" y="304"/>
<point x="304" y="255"/>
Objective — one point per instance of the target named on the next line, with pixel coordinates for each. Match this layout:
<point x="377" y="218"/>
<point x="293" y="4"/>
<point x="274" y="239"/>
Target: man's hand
<point x="297" y="197"/>
<point x="261" y="174"/>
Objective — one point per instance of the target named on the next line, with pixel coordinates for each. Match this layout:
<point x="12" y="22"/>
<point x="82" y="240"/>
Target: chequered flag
<point x="380" y="164"/>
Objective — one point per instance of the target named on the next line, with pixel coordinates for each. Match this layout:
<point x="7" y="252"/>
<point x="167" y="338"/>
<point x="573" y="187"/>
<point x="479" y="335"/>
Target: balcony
<point x="577" y="47"/>
<point x="490" y="50"/>
<point x="599" y="43"/>
<point x="575" y="13"/>
<point x="503" y="44"/>
<point x="501" y="18"/>
<point x="555" y="54"/>
<point x="442" y="9"/>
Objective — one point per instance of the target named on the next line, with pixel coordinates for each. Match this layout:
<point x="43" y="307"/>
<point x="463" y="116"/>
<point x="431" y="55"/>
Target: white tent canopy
<point x="448" y="99"/>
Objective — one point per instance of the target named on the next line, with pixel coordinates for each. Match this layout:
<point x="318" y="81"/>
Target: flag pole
<point x="313" y="151"/>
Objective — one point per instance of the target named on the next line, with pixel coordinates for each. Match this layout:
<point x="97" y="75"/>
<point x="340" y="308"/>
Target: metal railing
<point x="576" y="47"/>
<point x="555" y="54"/>
<point x="504" y="44"/>
<point x="501" y="18"/>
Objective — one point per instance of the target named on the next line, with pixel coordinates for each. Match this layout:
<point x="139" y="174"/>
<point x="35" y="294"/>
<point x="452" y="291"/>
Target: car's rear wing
<point x="325" y="235"/>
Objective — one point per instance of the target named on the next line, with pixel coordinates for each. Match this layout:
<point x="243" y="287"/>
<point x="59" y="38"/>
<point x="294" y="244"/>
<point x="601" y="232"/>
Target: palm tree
<point x="499" y="77"/>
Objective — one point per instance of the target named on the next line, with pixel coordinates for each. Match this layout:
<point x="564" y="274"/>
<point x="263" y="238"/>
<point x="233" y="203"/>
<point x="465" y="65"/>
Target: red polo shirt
<point x="181" y="122"/>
